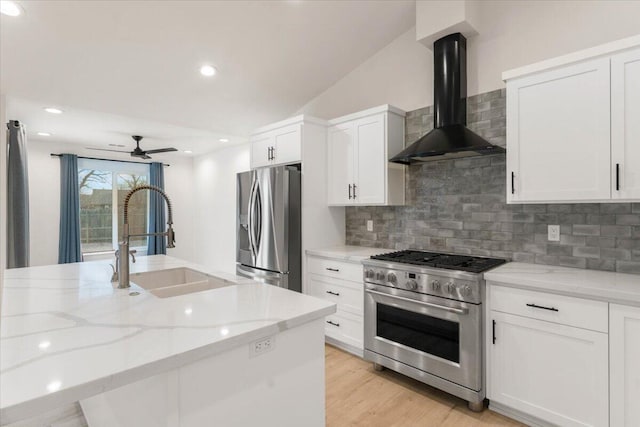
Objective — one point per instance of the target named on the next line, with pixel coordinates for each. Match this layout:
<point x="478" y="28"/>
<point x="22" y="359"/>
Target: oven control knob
<point x="450" y="287"/>
<point x="369" y="274"/>
<point x="467" y="290"/>
<point x="391" y="278"/>
<point x="380" y="275"/>
<point x="435" y="285"/>
<point x="412" y="285"/>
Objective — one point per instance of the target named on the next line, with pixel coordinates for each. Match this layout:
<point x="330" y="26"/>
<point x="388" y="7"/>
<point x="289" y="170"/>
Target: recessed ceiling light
<point x="44" y="134"/>
<point x="44" y="345"/>
<point x="207" y="70"/>
<point x="54" y="386"/>
<point x="224" y="140"/>
<point x="53" y="110"/>
<point x="188" y="151"/>
<point x="9" y="8"/>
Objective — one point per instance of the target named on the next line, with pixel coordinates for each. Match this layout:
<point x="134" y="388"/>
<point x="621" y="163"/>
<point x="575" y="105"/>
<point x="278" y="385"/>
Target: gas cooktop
<point x="438" y="260"/>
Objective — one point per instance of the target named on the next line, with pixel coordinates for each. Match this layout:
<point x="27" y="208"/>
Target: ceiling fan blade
<point x="106" y="149"/>
<point x="161" y="150"/>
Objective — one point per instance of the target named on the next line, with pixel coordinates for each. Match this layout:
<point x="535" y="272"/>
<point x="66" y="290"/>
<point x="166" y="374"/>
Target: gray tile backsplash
<point x="459" y="206"/>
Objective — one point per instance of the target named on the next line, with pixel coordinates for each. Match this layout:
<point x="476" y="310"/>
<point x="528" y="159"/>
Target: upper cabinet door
<point x="371" y="160"/>
<point x="287" y="144"/>
<point x="261" y="150"/>
<point x="340" y="164"/>
<point x="625" y="125"/>
<point x="558" y="134"/>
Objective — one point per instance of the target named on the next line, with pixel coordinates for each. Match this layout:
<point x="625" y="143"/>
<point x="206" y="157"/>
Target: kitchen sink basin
<point x="177" y="281"/>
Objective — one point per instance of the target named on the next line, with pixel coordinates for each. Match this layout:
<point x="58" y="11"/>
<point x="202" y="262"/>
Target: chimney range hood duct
<point x="450" y="138"/>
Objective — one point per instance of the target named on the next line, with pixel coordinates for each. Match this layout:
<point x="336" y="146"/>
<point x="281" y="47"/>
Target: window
<point x="103" y="187"/>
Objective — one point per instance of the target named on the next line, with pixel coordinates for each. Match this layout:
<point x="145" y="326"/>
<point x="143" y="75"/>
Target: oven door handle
<point x="428" y="304"/>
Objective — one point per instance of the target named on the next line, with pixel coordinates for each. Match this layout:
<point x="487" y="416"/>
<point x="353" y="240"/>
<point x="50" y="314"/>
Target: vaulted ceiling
<point x="141" y="59"/>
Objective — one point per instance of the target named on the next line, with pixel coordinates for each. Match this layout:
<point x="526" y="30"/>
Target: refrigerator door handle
<point x="251" y="219"/>
<point x="257" y="224"/>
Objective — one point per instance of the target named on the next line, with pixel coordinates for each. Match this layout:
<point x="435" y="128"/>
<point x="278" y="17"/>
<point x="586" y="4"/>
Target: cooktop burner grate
<point x="447" y="261"/>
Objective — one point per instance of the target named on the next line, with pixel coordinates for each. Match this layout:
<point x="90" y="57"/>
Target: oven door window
<point x="429" y="334"/>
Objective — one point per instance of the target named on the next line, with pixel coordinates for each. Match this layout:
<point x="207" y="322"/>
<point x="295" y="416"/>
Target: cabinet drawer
<point x="338" y="269"/>
<point x="345" y="327"/>
<point x="348" y="295"/>
<point x="571" y="311"/>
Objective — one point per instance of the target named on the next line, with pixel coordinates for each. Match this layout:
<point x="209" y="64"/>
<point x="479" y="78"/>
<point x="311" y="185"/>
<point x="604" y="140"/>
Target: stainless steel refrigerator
<point x="268" y="246"/>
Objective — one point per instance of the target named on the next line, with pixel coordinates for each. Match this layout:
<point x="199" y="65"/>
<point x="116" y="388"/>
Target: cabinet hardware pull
<point x="334" y="293"/>
<point x="617" y="176"/>
<point x="513" y="186"/>
<point x="333" y="323"/>
<point x="273" y="153"/>
<point x="542" y="307"/>
<point x="354" y="191"/>
<point x="333" y="269"/>
<point x="268" y="153"/>
<point x="494" y="331"/>
<point x="349" y="191"/>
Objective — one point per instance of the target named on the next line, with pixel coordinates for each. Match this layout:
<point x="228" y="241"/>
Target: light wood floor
<point x="359" y="396"/>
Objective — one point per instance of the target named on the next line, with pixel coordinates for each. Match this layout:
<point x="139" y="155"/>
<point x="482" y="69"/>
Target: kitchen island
<point x="242" y="354"/>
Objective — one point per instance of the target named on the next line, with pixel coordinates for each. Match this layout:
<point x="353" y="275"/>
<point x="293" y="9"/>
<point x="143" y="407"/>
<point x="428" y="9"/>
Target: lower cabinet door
<point x="554" y="372"/>
<point x="624" y="353"/>
<point x="345" y="327"/>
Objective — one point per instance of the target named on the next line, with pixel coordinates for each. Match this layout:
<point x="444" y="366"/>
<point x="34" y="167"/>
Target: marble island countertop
<point x="348" y="253"/>
<point x="66" y="333"/>
<point x="606" y="286"/>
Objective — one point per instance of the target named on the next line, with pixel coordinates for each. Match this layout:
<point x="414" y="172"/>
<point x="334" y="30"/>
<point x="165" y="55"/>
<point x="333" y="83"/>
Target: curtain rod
<point x="109" y="160"/>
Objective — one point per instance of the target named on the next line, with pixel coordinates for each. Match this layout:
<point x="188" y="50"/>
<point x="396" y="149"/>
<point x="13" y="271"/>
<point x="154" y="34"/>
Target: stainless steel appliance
<point x="423" y="318"/>
<point x="268" y="247"/>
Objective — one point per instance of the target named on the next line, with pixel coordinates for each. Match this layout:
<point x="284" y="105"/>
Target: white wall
<point x="44" y="200"/>
<point x="3" y="190"/>
<point x="214" y="178"/>
<point x="400" y="74"/>
<point x="511" y="34"/>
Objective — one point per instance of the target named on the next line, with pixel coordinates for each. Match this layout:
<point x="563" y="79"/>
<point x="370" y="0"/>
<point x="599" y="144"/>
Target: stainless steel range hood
<point x="450" y="137"/>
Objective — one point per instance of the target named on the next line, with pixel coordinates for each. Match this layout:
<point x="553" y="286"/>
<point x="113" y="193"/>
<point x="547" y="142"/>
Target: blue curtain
<point x="17" y="197"/>
<point x="69" y="246"/>
<point x="156" y="244"/>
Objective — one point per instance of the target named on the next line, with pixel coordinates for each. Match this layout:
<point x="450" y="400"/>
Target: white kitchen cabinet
<point x="339" y="282"/>
<point x="539" y="366"/>
<point x="572" y="128"/>
<point x="625" y="125"/>
<point x="261" y="150"/>
<point x="558" y="142"/>
<point x="624" y="354"/>
<point x="280" y="144"/>
<point x="341" y="150"/>
<point x="360" y="146"/>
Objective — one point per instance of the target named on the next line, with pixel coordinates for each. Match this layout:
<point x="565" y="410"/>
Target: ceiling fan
<point x="138" y="152"/>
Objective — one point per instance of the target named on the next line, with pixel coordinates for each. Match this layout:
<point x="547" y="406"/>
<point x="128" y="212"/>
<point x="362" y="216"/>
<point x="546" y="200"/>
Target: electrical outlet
<point x="553" y="233"/>
<point x="369" y="225"/>
<point x="262" y="346"/>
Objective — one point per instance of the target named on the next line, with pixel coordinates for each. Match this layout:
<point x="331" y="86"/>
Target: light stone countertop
<point x="66" y="333"/>
<point x="348" y="253"/>
<point x="619" y="288"/>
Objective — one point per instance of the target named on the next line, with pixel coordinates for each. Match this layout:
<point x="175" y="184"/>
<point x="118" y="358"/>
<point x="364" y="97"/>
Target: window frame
<point x="116" y="168"/>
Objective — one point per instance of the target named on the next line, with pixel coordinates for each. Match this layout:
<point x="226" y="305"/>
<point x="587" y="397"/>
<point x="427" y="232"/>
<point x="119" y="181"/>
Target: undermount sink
<point x="177" y="281"/>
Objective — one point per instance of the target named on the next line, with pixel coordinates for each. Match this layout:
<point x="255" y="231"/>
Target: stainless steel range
<point x="423" y="318"/>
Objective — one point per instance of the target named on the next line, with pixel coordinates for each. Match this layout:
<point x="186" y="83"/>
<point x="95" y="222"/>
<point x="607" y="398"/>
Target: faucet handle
<point x="133" y="252"/>
<point x="114" y="276"/>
